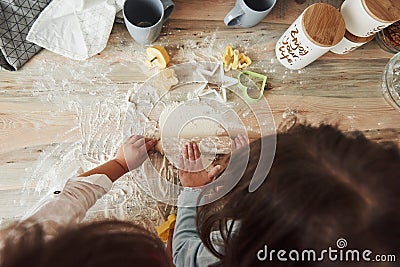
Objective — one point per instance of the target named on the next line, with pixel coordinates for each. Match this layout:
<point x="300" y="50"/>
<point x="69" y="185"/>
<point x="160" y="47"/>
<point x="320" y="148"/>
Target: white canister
<point x="319" y="28"/>
<point x="366" y="17"/>
<point x="350" y="42"/>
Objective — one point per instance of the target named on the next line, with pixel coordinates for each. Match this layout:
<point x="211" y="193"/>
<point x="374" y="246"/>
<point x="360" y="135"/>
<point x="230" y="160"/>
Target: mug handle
<point x="168" y="8"/>
<point x="233" y="17"/>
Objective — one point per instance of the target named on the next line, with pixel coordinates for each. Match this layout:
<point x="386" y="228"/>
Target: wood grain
<point x="357" y="39"/>
<point x="383" y="10"/>
<point x="285" y="11"/>
<point x="35" y="116"/>
<point x="25" y="125"/>
<point x="323" y="24"/>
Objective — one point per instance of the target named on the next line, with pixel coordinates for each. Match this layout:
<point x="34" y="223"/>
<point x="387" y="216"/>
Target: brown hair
<point x="322" y="186"/>
<point x="108" y="243"/>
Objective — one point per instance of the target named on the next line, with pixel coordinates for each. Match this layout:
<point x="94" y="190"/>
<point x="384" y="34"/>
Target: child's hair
<point x="107" y="243"/>
<point x="323" y="185"/>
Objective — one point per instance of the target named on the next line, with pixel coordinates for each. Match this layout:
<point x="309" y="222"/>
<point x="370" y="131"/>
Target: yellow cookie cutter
<point x="233" y="59"/>
<point x="244" y="88"/>
<point x="165" y="227"/>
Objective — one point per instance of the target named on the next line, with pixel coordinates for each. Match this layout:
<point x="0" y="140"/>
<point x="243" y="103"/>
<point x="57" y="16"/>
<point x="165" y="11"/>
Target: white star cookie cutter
<point x="216" y="76"/>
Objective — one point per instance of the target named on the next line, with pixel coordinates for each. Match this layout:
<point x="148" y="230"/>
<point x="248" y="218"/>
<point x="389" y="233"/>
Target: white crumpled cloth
<point x="77" y="29"/>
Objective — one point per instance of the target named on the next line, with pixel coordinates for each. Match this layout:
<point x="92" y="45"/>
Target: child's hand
<point x="240" y="141"/>
<point x="192" y="172"/>
<point x="134" y="151"/>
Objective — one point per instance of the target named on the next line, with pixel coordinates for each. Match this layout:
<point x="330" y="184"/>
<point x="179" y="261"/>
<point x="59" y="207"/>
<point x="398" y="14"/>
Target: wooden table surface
<point x="41" y="105"/>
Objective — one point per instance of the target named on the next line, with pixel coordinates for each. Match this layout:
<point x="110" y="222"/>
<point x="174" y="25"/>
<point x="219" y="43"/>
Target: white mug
<point x="144" y="18"/>
<point x="247" y="13"/>
<point x="359" y="19"/>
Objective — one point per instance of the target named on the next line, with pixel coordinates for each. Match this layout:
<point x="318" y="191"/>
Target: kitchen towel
<point x="16" y="18"/>
<point x="77" y="29"/>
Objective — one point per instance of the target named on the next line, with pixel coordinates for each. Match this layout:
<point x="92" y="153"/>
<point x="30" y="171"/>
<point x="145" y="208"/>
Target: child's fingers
<point x="198" y="166"/>
<point x="137" y="141"/>
<point x="240" y="141"/>
<point x="150" y="144"/>
<point x="243" y="140"/>
<point x="181" y="164"/>
<point x="214" y="172"/>
<point x="140" y="142"/>
<point x="196" y="149"/>
<point x="237" y="143"/>
<point x="233" y="144"/>
<point x="142" y="150"/>
<point x="247" y="139"/>
<point x="185" y="152"/>
<point x="132" y="139"/>
<point x="147" y="139"/>
<point x="191" y="151"/>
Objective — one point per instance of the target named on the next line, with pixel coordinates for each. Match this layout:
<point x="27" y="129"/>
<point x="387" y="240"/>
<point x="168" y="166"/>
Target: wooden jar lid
<point x="383" y="10"/>
<point x="323" y="24"/>
<point x="357" y="39"/>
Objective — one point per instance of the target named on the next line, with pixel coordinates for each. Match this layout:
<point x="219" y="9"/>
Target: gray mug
<point x="247" y="13"/>
<point x="144" y="18"/>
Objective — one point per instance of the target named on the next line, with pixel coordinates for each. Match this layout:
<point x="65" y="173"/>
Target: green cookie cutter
<point x="244" y="88"/>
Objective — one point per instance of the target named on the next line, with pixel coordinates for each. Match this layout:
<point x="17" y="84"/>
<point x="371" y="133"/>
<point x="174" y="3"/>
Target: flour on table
<point x="198" y="127"/>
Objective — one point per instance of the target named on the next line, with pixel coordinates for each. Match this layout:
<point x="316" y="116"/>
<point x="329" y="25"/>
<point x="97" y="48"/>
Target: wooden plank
<point x="363" y="114"/>
<point x="122" y="60"/>
<point x="12" y="208"/>
<point x="15" y="169"/>
<point x="285" y="11"/>
<point x="35" y="128"/>
<point x="19" y="130"/>
<point x="337" y="89"/>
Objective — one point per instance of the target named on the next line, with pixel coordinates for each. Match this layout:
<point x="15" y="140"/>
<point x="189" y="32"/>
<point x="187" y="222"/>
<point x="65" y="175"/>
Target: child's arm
<point x="129" y="156"/>
<point x="80" y="193"/>
<point x="188" y="249"/>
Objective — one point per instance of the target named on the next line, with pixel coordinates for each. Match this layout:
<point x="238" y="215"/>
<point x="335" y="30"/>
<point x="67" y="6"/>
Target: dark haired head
<point x="110" y="243"/>
<point x="323" y="185"/>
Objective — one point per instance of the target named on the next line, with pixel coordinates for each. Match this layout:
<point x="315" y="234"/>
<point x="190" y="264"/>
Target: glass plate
<point x="391" y="81"/>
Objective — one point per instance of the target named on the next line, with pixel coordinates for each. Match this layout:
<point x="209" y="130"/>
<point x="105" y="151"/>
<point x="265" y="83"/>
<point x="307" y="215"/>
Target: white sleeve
<point x="71" y="204"/>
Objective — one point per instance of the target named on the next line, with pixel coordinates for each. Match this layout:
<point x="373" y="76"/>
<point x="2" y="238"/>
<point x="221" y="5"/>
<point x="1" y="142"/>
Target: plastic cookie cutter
<point x="157" y="56"/>
<point x="166" y="79"/>
<point x="234" y="60"/>
<point x="164" y="229"/>
<point x="257" y="94"/>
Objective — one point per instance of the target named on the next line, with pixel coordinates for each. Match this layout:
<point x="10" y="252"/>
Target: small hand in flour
<point x="240" y="141"/>
<point x="135" y="151"/>
<point x="192" y="172"/>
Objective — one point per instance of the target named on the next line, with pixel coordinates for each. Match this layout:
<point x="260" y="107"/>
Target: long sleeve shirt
<point x="187" y="247"/>
<point x="70" y="205"/>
